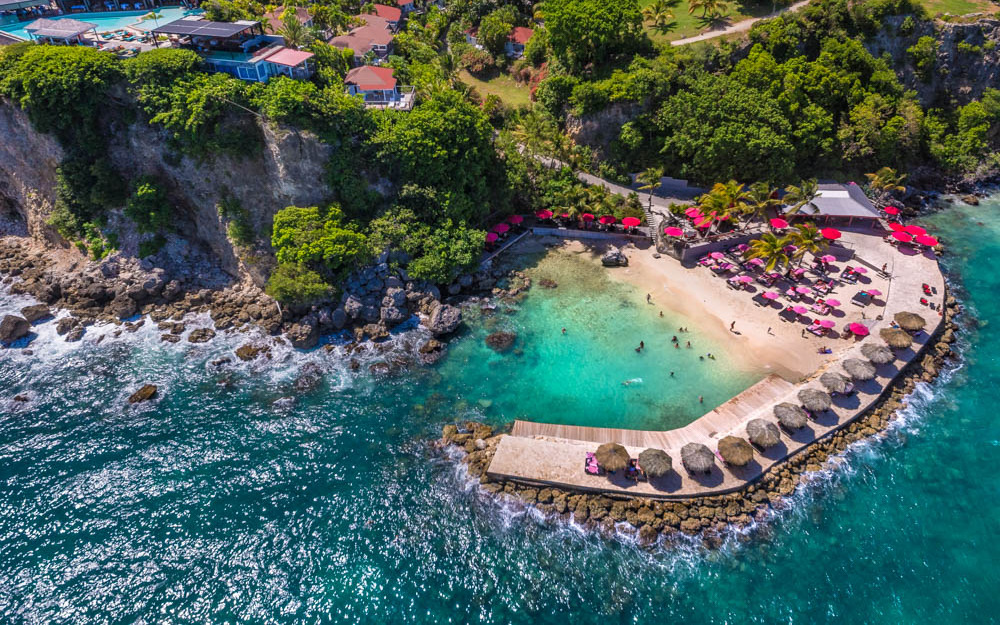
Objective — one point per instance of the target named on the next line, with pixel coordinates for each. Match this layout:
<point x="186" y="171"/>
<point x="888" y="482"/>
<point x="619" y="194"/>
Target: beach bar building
<point x="63" y="31"/>
<point x="241" y="49"/>
<point x="843" y="203"/>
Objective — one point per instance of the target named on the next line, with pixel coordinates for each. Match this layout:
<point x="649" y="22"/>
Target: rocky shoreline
<point x="709" y="518"/>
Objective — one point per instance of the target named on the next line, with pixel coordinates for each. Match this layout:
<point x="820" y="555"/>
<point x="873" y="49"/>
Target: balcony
<point x="402" y="100"/>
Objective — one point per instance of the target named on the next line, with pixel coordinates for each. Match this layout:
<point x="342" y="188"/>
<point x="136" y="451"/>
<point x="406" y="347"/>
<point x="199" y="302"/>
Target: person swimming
<point x="632" y="381"/>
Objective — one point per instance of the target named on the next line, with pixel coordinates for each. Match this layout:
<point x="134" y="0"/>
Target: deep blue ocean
<point x="245" y="493"/>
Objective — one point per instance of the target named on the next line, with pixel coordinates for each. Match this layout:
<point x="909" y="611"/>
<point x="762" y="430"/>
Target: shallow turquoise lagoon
<point x="111" y="20"/>
<point x="214" y="504"/>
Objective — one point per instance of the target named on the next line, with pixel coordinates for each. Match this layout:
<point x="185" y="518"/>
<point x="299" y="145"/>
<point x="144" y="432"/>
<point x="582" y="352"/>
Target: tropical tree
<point x="660" y="15"/>
<point x="798" y="196"/>
<point x="295" y="33"/>
<point x="807" y="240"/>
<point x="651" y="180"/>
<point x="885" y="183"/>
<point x="708" y="7"/>
<point x="771" y="249"/>
<point x="761" y="198"/>
<point x="725" y="199"/>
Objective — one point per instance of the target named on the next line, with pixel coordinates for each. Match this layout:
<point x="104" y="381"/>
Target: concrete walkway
<point x="549" y="454"/>
<point x="739" y="27"/>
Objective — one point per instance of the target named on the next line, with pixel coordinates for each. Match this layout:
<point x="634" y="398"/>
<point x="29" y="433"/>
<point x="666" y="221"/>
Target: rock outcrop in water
<point x="13" y="328"/>
<point x="147" y="392"/>
<point x="614" y="257"/>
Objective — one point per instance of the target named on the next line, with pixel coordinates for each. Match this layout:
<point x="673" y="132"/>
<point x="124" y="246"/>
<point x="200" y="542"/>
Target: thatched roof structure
<point x="911" y="322"/>
<point x="815" y="400"/>
<point x="655" y="462"/>
<point x="763" y="433"/>
<point x="896" y="338"/>
<point x="791" y="416"/>
<point x="697" y="458"/>
<point x="834" y="382"/>
<point x="879" y="354"/>
<point x="735" y="451"/>
<point x="859" y="369"/>
<point x="612" y="456"/>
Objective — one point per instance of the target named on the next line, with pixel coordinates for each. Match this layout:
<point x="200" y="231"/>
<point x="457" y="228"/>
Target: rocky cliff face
<point x="289" y="169"/>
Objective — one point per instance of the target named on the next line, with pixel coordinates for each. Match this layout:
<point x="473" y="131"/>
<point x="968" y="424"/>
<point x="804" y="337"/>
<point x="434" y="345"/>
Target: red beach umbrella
<point x="693" y="212"/>
<point x="915" y="230"/>
<point x="501" y="228"/>
<point x="897" y="227"/>
<point x="631" y="222"/>
<point x="858" y="329"/>
<point x="587" y="217"/>
<point x="779" y="223"/>
<point x="830" y="233"/>
<point x="491" y="237"/>
<point x="891" y="210"/>
<point x="543" y="214"/>
<point x="902" y="236"/>
<point x="926" y="239"/>
<point x="515" y="219"/>
<point x="673" y="231"/>
<point x="607" y="219"/>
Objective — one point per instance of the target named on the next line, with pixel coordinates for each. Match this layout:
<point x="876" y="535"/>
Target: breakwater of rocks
<point x="711" y="517"/>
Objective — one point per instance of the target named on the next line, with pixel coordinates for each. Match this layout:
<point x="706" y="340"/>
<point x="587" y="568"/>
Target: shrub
<point x="148" y="206"/>
<point x="293" y="283"/>
<point x="316" y="237"/>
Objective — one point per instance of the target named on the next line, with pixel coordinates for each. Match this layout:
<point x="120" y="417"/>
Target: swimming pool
<point x="109" y="21"/>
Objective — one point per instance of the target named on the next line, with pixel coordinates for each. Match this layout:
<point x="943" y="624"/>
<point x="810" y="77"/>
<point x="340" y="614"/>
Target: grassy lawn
<point x="959" y="7"/>
<point x="688" y="25"/>
<point x="502" y="86"/>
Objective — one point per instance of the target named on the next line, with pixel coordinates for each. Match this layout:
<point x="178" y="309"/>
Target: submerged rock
<point x="501" y="341"/>
<point x="12" y="328"/>
<point x="303" y="336"/>
<point x="201" y="335"/>
<point x="145" y="393"/>
<point x="248" y="352"/>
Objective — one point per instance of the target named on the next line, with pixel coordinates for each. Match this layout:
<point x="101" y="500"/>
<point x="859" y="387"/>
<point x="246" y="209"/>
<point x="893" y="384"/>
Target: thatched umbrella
<point x="735" y="451"/>
<point x="879" y="354"/>
<point x="896" y="338"/>
<point x="911" y="322"/>
<point x="815" y="400"/>
<point x="612" y="456"/>
<point x="834" y="382"/>
<point x="655" y="462"/>
<point x="763" y="433"/>
<point x="791" y="416"/>
<point x="697" y="458"/>
<point x="859" y="369"/>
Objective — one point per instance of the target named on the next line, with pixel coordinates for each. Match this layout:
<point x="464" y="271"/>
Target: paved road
<point x="738" y="27"/>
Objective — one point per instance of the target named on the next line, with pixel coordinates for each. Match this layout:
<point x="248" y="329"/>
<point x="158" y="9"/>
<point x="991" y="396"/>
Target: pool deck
<point x="553" y="455"/>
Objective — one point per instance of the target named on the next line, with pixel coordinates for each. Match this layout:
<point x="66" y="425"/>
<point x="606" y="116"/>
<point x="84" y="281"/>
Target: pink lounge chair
<point x="590" y="464"/>
<point x="816" y="329"/>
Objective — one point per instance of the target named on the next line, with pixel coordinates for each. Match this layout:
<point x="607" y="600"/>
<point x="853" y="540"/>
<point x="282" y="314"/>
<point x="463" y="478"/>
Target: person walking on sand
<point x="649" y="298"/>
<point x="769" y="330"/>
<point x="732" y="326"/>
<point x="661" y="314"/>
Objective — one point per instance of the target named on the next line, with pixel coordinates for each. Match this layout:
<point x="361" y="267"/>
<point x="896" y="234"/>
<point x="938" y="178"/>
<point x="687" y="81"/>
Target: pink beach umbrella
<point x="926" y="239"/>
<point x="915" y="230"/>
<point x="779" y="223"/>
<point x="830" y="233"/>
<point x="631" y="222"/>
<point x="858" y="329"/>
<point x="891" y="210"/>
<point x="874" y="292"/>
<point x="827" y="323"/>
<point x="673" y="231"/>
<point x="800" y="310"/>
<point x="832" y="302"/>
<point x="491" y="237"/>
<point x="860" y="270"/>
<point x="515" y="219"/>
<point x="501" y="228"/>
<point x="828" y="258"/>
<point x="803" y="290"/>
<point x="902" y="236"/>
<point x="770" y="295"/>
<point x="607" y="219"/>
<point x="543" y="214"/>
<point x="717" y="255"/>
<point x="758" y="262"/>
<point x="587" y="217"/>
<point x="744" y="279"/>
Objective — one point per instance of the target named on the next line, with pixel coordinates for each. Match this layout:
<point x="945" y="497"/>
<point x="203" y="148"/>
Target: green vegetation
<point x="588" y="31"/>
<point x="239" y="230"/>
<point x="296" y="284"/>
<point x="314" y="237"/>
<point x="924" y="56"/>
<point x="148" y="206"/>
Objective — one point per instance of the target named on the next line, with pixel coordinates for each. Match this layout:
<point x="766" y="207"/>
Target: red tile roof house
<point x="471" y="37"/>
<point x="390" y="14"/>
<point x="406" y="6"/>
<point x="516" y="41"/>
<point x="374" y="36"/>
<point x="274" y="22"/>
<point x="378" y="87"/>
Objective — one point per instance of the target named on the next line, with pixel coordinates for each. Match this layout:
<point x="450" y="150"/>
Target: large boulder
<point x="394" y="297"/>
<point x="303" y="336"/>
<point x="12" y="328"/>
<point x="614" y="257"/>
<point x="122" y="306"/>
<point x="148" y="391"/>
<point x="445" y="319"/>
<point x="353" y="306"/>
<point x="338" y="318"/>
<point x="201" y="335"/>
<point x="66" y="324"/>
<point x="393" y="316"/>
<point x="36" y="312"/>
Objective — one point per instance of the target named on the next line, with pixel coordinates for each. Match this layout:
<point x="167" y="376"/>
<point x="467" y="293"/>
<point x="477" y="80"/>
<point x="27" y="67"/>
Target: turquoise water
<point x="111" y="20"/>
<point x="213" y="504"/>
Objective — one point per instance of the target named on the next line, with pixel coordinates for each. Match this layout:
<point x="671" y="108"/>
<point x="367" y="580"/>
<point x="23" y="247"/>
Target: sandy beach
<point x="761" y="340"/>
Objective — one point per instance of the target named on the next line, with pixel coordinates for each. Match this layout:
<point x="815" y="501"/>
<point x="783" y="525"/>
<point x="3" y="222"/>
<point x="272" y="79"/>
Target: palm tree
<point x="884" y="183"/>
<point x="797" y="197"/>
<point x="770" y="249"/>
<point x="708" y="7"/>
<point x="807" y="239"/>
<point x="725" y="199"/>
<point x="660" y="15"/>
<point x="296" y="35"/>
<point x="651" y="179"/>
<point x="761" y="198"/>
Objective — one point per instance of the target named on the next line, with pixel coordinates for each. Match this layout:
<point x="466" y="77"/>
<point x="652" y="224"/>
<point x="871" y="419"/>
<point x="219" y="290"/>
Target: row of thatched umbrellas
<point x="736" y="451"/>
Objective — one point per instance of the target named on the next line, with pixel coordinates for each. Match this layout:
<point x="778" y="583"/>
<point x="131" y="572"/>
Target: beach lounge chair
<point x="820" y="309"/>
<point x="722" y="267"/>
<point x="590" y="464"/>
<point x="816" y="329"/>
<point x="733" y="283"/>
<point x="862" y="298"/>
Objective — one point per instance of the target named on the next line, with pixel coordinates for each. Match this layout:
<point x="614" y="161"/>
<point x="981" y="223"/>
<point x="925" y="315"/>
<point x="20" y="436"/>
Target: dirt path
<point x="738" y="27"/>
